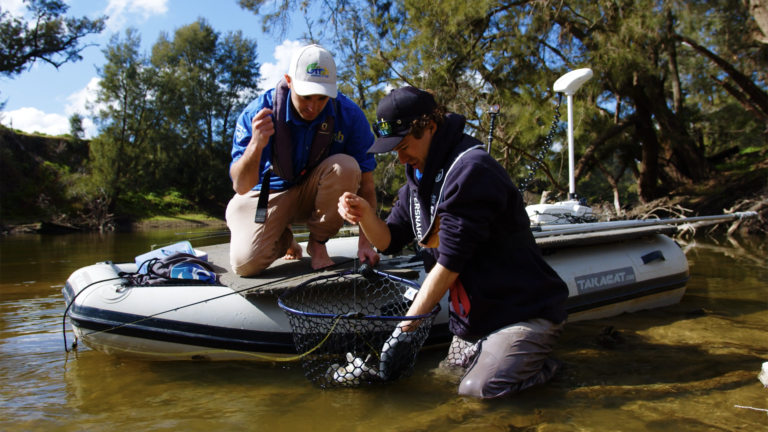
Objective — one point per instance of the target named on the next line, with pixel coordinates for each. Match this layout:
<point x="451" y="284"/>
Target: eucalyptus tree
<point x="203" y="82"/>
<point x="125" y="116"/>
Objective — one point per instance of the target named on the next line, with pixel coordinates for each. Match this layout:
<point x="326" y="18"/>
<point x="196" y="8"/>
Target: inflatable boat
<point x="607" y="272"/>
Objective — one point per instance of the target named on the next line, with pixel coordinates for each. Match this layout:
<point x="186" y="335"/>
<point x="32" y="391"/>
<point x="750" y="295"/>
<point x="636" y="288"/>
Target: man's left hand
<point x="366" y="252"/>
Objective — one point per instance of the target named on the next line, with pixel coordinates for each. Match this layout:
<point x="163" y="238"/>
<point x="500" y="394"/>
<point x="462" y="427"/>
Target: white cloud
<point x="79" y="101"/>
<point x="119" y="11"/>
<point x="31" y="119"/>
<point x="272" y="73"/>
<point x="17" y="8"/>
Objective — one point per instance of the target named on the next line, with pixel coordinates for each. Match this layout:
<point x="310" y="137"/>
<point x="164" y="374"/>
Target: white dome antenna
<point x="571" y="81"/>
<point x="568" y="84"/>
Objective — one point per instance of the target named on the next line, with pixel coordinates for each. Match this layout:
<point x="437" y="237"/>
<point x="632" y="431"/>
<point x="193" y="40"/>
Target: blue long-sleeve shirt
<point x="351" y="135"/>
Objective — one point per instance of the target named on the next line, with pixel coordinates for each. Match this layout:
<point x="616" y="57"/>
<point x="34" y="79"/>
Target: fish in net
<point x="346" y="328"/>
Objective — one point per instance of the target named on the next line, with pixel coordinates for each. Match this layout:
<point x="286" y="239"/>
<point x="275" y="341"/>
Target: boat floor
<point x="284" y="274"/>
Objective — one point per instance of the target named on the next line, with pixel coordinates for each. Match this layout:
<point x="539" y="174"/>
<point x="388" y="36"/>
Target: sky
<point x="43" y="98"/>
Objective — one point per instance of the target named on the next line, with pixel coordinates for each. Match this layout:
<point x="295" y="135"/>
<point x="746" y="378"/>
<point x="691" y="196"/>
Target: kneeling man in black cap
<point x="507" y="305"/>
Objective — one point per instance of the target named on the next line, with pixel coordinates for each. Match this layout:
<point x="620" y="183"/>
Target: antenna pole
<point x="568" y="84"/>
<point x="571" y="158"/>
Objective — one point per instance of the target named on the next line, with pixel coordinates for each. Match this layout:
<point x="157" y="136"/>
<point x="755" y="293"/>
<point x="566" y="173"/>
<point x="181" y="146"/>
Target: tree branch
<point x="755" y="93"/>
<point x="599" y="141"/>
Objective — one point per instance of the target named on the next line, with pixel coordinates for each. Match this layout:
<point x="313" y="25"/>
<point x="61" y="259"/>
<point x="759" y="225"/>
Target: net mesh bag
<point x="345" y="328"/>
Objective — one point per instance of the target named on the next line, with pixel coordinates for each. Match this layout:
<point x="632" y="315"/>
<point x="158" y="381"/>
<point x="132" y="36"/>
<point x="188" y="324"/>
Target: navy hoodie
<point x="484" y="235"/>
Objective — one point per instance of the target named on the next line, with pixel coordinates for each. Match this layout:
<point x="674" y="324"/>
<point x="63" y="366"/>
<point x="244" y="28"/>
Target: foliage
<point x="146" y="205"/>
<point x="675" y="82"/>
<point x="38" y="175"/>
<point x="167" y="119"/>
<point x="48" y="36"/>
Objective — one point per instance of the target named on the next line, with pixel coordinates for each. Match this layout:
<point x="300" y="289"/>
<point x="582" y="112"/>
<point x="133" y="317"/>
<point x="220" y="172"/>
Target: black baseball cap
<point x="395" y="114"/>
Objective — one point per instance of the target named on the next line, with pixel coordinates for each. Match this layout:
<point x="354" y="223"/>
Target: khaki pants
<point x="508" y="360"/>
<point x="254" y="247"/>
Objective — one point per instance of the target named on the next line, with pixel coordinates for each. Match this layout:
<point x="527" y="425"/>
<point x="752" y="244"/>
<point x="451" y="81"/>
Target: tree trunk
<point x="681" y="150"/>
<point x="614" y="182"/>
<point x="589" y="153"/>
<point x="677" y="93"/>
<point x="646" y="134"/>
<point x="684" y="162"/>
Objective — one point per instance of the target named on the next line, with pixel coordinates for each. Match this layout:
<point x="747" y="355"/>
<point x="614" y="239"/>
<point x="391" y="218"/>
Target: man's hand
<point x="373" y="231"/>
<point x="366" y="252"/>
<point x="353" y="208"/>
<point x="245" y="172"/>
<point x="262" y="128"/>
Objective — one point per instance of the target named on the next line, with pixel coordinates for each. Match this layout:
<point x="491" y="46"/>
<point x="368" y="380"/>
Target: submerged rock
<point x="610" y="337"/>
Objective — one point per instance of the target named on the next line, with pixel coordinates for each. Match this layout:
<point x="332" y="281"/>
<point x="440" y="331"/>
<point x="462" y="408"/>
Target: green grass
<point x="191" y="217"/>
<point x="146" y="206"/>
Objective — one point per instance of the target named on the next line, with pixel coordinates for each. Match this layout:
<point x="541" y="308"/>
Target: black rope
<point x="538" y="160"/>
<point x="206" y="235"/>
<point x="64" y="318"/>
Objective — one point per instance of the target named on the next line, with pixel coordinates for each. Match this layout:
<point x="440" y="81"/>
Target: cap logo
<point x="384" y="128"/>
<point x="317" y="71"/>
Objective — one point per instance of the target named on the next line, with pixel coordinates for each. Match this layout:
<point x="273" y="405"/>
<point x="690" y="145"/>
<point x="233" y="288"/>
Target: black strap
<point x="261" y="207"/>
<point x="319" y="142"/>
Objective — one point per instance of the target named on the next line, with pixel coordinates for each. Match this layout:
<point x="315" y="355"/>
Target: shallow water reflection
<point x="680" y="368"/>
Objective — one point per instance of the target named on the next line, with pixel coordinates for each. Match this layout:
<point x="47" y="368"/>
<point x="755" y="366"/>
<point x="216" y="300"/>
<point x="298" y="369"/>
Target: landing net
<point x="343" y="327"/>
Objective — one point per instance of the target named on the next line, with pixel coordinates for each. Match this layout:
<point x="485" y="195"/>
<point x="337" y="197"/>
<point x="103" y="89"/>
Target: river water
<point x="681" y="368"/>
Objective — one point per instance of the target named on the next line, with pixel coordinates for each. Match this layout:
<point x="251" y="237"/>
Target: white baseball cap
<point x="313" y="71"/>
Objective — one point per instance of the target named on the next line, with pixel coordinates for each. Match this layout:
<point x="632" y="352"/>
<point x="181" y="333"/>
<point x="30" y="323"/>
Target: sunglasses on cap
<point x="386" y="128"/>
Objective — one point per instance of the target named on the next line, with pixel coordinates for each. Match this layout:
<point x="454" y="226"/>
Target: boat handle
<point x="653" y="256"/>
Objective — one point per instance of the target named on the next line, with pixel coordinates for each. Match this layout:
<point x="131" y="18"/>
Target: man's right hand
<point x="245" y="171"/>
<point x="262" y="127"/>
<point x="353" y="208"/>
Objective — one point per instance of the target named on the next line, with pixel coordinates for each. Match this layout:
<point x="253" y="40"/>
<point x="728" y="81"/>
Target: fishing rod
<point x="202" y="232"/>
<point x="207" y="234"/>
<point x="564" y="229"/>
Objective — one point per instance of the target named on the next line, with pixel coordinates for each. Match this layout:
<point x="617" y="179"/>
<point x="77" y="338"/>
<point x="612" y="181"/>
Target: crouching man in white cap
<point x="297" y="148"/>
